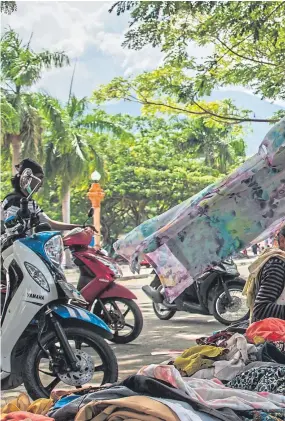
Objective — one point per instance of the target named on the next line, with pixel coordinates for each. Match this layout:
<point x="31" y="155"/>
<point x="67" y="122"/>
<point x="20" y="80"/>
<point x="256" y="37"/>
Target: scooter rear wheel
<point x="236" y="312"/>
<point x="124" y="330"/>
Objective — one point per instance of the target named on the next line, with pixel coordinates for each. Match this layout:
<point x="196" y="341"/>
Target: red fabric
<point x="270" y="329"/>
<point x="22" y="415"/>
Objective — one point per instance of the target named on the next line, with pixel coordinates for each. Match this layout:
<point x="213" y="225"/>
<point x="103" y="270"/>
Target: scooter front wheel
<point x="123" y="316"/>
<point x="162" y="312"/>
<point x="96" y="361"/>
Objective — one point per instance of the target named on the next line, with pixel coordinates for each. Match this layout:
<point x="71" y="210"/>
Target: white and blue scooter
<point x="48" y="336"/>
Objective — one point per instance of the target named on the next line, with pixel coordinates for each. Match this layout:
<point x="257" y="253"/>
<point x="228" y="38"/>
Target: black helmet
<point x="29" y="163"/>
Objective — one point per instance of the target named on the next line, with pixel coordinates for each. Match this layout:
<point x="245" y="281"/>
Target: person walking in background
<point x="244" y="252"/>
<point x="254" y="249"/>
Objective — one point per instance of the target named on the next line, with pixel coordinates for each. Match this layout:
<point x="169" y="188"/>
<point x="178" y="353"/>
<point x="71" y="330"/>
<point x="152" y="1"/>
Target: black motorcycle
<point x="217" y="291"/>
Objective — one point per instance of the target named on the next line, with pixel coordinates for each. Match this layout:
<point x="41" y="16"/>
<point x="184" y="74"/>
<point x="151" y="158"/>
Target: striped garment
<point x="11" y="204"/>
<point x="270" y="284"/>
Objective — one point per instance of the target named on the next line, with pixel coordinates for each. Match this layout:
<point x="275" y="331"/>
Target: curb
<point x="129" y="278"/>
<point x="245" y="262"/>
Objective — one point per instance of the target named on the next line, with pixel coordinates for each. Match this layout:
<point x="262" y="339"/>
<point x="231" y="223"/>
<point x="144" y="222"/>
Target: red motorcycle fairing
<point x="78" y="237"/>
<point x="102" y="285"/>
<point x="100" y="268"/>
<point x="112" y="291"/>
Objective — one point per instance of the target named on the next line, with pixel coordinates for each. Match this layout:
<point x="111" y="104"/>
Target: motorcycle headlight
<point x="37" y="276"/>
<point x="54" y="249"/>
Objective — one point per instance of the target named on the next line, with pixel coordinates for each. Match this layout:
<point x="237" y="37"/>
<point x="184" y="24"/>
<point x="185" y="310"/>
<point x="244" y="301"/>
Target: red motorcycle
<point x="112" y="302"/>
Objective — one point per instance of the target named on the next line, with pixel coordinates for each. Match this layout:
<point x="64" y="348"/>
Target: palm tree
<point x="219" y="146"/>
<point x="21" y="68"/>
<point x="70" y="151"/>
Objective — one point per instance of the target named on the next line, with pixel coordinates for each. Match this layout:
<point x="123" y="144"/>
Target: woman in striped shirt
<point x="270" y="286"/>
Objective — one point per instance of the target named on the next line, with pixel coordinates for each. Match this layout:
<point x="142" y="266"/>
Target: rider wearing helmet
<point x="11" y="203"/>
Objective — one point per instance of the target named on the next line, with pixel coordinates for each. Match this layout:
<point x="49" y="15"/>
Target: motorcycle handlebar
<point x="24" y="212"/>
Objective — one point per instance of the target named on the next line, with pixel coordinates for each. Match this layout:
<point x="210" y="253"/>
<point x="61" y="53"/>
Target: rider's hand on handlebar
<point x="92" y="227"/>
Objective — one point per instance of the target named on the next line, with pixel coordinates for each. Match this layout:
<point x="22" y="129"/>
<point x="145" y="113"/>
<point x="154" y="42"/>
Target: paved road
<point x="178" y="333"/>
<point x="157" y="336"/>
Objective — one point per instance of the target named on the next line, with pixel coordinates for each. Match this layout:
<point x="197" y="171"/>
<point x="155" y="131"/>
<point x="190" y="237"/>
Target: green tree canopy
<point x="8" y="7"/>
<point x="246" y="40"/>
<point x="162" y="165"/>
<point x="168" y="90"/>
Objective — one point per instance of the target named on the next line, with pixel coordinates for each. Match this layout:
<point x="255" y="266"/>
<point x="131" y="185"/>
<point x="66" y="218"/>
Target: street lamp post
<point x="96" y="195"/>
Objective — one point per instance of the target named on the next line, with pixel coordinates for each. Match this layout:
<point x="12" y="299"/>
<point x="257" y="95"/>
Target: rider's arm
<point x="61" y="226"/>
<point x="58" y="226"/>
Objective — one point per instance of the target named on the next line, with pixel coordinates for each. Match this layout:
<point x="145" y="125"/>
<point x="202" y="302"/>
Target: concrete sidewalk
<point x="245" y="262"/>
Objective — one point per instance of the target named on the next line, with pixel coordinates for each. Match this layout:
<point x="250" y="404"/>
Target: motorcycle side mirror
<point x="26" y="178"/>
<point x="44" y="226"/>
<point x="90" y="213"/>
<point x="29" y="182"/>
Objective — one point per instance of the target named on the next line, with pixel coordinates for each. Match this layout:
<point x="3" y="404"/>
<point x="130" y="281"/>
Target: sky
<point x="92" y="37"/>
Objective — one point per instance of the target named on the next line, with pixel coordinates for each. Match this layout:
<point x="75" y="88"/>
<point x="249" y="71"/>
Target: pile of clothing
<point x="22" y="408"/>
<point x="228" y="376"/>
<point x="229" y="358"/>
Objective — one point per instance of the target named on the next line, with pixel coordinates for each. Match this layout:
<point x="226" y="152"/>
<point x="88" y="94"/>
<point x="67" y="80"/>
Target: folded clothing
<point x="261" y="379"/>
<point x="138" y="408"/>
<point x="197" y="357"/>
<point x="222" y="370"/>
<point x="23" y="404"/>
<point x="66" y="411"/>
<point x="185" y="412"/>
<point x="270" y="352"/>
<point x="239" y="349"/>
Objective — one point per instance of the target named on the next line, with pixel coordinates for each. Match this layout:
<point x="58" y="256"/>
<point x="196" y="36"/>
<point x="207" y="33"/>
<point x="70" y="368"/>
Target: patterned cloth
<point x="263" y="416"/>
<point x="215" y="223"/>
<point x="212" y="392"/>
<point x="261" y="379"/>
<point x="218" y="339"/>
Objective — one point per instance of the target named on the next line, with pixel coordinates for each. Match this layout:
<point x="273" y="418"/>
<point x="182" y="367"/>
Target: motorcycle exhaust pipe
<point x="153" y="294"/>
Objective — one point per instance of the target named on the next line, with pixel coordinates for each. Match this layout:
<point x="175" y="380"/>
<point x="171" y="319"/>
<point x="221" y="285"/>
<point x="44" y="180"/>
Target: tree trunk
<point x="16" y="151"/>
<point x="66" y="219"/>
<point x="66" y="207"/>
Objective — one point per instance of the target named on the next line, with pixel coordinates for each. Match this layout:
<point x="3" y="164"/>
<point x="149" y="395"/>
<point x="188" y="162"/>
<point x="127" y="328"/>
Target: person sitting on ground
<point x="265" y="287"/>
